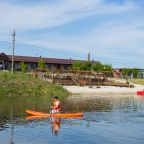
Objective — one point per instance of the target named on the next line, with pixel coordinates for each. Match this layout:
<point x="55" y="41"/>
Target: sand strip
<point x="86" y="90"/>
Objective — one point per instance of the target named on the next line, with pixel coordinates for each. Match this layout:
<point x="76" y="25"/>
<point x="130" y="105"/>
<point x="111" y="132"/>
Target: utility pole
<point x="13" y="35"/>
<point x="89" y="56"/>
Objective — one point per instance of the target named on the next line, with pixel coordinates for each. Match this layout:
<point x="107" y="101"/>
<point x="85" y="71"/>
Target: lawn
<point x="137" y="81"/>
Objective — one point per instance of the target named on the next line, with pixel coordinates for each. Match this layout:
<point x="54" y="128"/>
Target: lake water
<point x="111" y="119"/>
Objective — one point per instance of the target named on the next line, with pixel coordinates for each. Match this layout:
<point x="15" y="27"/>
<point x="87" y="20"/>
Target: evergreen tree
<point x="89" y="56"/>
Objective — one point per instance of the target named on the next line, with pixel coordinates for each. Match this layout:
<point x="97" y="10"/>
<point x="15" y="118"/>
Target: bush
<point x="23" y="67"/>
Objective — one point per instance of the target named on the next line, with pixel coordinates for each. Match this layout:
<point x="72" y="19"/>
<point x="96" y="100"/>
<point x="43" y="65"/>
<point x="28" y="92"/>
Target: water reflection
<point x="104" y="103"/>
<point x="55" y="125"/>
<point x="54" y="121"/>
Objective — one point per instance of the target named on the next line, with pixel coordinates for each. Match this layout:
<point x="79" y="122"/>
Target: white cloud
<point x="23" y="17"/>
<point x="113" y="41"/>
<point x="110" y="39"/>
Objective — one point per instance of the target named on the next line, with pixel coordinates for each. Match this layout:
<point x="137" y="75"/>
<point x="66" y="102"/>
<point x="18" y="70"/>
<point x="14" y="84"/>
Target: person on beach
<point x="56" y="106"/>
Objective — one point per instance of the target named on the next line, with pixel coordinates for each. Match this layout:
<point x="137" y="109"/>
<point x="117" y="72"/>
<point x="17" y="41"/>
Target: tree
<point x="41" y="64"/>
<point x="23" y="67"/>
<point x="107" y="67"/>
<point x="86" y="65"/>
<point x="98" y="67"/>
<point x="134" y="71"/>
<point x="125" y="71"/>
<point x="77" y="65"/>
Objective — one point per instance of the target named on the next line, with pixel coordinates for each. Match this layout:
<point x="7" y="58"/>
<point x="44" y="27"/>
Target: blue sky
<point x="111" y="30"/>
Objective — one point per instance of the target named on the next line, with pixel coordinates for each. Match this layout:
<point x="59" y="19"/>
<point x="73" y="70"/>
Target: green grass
<point x="137" y="81"/>
<point x="20" y="84"/>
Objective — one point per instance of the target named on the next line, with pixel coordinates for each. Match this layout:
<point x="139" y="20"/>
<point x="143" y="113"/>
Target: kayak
<point x="31" y="117"/>
<point x="140" y="92"/>
<point x="41" y="114"/>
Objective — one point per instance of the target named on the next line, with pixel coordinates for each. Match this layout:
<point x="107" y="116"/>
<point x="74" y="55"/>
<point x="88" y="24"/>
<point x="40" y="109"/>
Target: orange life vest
<point x="57" y="107"/>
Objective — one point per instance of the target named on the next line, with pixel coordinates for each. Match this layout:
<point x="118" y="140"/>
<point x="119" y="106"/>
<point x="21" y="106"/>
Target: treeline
<point x="87" y="65"/>
<point x="99" y="67"/>
<point x="130" y="72"/>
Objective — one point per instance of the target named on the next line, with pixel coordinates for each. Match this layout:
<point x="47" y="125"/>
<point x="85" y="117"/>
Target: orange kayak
<point x="41" y="114"/>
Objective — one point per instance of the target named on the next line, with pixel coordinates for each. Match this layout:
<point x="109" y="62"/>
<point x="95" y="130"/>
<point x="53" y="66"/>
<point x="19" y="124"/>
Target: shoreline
<point x="103" y="90"/>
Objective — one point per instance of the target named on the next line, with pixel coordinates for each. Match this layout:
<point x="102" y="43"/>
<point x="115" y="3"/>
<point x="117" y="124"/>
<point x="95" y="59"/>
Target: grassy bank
<point x="137" y="81"/>
<point x="134" y="80"/>
<point x="25" y="85"/>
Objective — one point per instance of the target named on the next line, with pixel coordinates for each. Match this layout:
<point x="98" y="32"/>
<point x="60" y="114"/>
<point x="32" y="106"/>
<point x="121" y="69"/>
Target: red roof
<point x="36" y="59"/>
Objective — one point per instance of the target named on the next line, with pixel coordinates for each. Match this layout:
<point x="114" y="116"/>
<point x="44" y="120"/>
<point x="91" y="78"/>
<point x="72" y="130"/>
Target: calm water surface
<point x="107" y="119"/>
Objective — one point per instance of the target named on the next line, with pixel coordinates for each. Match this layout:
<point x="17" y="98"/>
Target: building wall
<point x="2" y="66"/>
<point x="32" y="66"/>
<point x="48" y="66"/>
<point x="5" y="63"/>
<point x="17" y="66"/>
<point x="9" y="66"/>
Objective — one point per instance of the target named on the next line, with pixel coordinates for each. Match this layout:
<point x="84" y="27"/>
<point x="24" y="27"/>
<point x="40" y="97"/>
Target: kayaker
<point x="56" y="107"/>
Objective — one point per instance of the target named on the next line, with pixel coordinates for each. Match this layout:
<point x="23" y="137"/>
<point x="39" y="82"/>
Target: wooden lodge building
<point x="67" y="77"/>
<point x="32" y="62"/>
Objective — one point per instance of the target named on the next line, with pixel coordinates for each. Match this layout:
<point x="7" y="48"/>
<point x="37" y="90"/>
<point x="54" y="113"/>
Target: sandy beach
<point x="86" y="90"/>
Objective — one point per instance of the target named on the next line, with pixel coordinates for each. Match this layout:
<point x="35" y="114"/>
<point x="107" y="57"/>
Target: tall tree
<point x="135" y="72"/>
<point x="126" y="71"/>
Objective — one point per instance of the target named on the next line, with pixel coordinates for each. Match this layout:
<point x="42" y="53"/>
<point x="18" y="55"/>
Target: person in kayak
<point x="56" y="107"/>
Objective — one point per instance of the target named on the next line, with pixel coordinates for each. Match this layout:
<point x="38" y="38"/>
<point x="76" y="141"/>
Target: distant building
<point x="141" y="73"/>
<point x="32" y="62"/>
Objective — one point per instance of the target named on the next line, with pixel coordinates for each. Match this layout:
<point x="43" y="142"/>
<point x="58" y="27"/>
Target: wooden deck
<point x="80" y="78"/>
